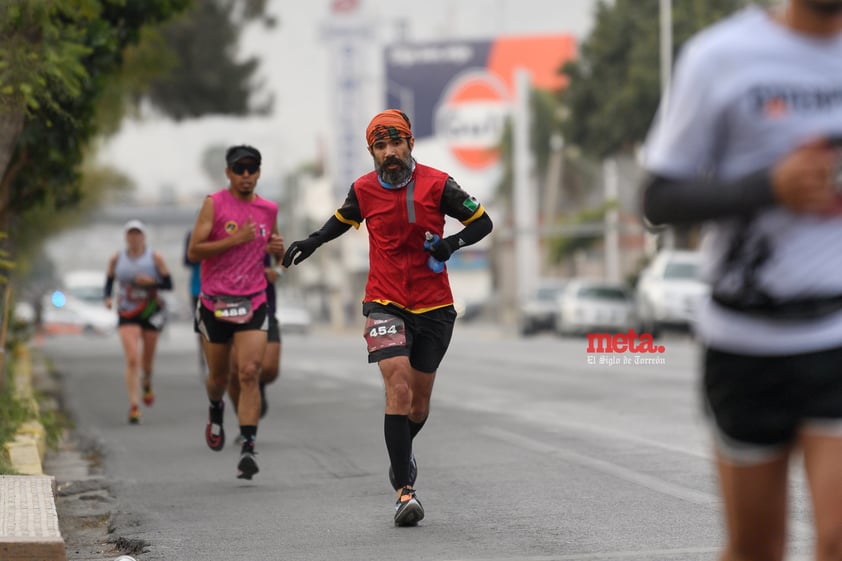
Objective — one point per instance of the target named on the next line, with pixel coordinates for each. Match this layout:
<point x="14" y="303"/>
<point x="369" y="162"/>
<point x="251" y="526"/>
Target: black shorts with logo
<point x="423" y="337"/>
<point x="763" y="401"/>
<point x="216" y="330"/>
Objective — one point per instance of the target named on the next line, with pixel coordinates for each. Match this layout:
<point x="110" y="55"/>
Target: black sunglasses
<point x="240" y="168"/>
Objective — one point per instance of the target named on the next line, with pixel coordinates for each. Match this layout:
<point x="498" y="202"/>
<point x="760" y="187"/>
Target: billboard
<point x="460" y="93"/>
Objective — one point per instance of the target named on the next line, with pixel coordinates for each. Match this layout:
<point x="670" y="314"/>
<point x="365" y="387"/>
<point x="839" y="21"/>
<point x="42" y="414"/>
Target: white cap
<point x="134" y="225"/>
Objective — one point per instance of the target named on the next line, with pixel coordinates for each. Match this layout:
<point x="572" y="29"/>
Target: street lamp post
<point x="666" y="47"/>
<point x="668" y="235"/>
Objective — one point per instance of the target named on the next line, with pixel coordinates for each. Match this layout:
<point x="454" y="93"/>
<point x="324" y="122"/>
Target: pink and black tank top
<point x="239" y="270"/>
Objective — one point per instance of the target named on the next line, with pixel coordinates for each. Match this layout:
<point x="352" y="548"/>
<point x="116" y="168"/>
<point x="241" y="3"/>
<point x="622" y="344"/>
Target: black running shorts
<point x="154" y="322"/>
<point x="426" y="335"/>
<point x="216" y="330"/>
<point x="762" y="402"/>
<point x="274" y="333"/>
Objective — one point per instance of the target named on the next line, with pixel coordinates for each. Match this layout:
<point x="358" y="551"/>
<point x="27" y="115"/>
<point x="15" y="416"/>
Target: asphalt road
<point x="531" y="454"/>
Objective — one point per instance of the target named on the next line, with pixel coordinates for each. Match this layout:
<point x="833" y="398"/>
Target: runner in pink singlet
<point x="233" y="232"/>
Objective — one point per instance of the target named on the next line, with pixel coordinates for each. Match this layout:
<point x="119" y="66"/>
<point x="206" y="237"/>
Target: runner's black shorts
<point x="274" y="333"/>
<point x="154" y="322"/>
<point x="759" y="404"/>
<point x="427" y="335"/>
<point x="215" y="330"/>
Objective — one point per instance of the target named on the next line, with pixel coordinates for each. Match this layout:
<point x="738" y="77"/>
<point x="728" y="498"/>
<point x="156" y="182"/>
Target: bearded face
<point x="394" y="170"/>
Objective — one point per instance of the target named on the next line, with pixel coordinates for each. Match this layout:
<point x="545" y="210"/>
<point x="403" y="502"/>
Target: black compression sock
<point x="249" y="432"/>
<point x="399" y="446"/>
<point x="415" y="428"/>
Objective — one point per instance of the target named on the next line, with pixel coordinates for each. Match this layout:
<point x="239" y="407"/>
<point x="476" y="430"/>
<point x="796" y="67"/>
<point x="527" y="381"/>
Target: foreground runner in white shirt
<point x="745" y="144"/>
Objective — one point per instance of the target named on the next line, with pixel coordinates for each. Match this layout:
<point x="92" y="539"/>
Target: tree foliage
<point x="55" y="61"/>
<point x="563" y="247"/>
<point x="40" y="63"/>
<point x="69" y="67"/>
<point x="206" y="76"/>
<point x="614" y="86"/>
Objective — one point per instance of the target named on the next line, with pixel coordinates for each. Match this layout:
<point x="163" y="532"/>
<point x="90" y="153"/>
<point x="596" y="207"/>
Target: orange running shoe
<point x="408" y="509"/>
<point x="134" y="415"/>
<point x="148" y="396"/>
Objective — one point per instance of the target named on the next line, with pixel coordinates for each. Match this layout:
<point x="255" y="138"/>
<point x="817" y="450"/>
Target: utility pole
<point x="666" y="48"/>
<point x="610" y="178"/>
<point x="668" y="234"/>
<point x="525" y="208"/>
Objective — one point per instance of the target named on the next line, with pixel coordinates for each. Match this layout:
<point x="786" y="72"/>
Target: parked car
<point x="293" y="317"/>
<point x="85" y="284"/>
<point x="669" y="291"/>
<point x="539" y="311"/>
<point x="589" y="306"/>
<point x="24" y="312"/>
<point x="65" y="314"/>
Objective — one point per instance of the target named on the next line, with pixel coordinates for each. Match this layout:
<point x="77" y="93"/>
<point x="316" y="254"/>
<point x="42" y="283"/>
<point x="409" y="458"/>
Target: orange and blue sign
<point x="461" y="92"/>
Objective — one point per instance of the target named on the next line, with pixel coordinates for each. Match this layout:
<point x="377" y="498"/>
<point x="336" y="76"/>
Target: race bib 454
<point x="383" y="330"/>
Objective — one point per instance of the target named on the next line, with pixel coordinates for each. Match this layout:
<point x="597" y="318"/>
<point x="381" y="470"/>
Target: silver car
<point x="593" y="306"/>
<point x="670" y="290"/>
<point x="539" y="311"/>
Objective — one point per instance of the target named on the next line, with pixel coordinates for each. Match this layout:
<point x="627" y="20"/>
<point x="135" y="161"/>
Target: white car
<point x="84" y="284"/>
<point x="293" y="317"/>
<point x="24" y="312"/>
<point x="593" y="306"/>
<point x="670" y="290"/>
<point x="540" y="311"/>
<point x="65" y="314"/>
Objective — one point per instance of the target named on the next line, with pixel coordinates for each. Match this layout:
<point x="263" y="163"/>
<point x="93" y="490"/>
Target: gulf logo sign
<point x="471" y="117"/>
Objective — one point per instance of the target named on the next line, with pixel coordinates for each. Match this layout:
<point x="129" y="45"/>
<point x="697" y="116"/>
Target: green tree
<point x="69" y="67"/>
<point x="614" y="86"/>
<point x="56" y="58"/>
<point x="206" y="77"/>
<point x="40" y="63"/>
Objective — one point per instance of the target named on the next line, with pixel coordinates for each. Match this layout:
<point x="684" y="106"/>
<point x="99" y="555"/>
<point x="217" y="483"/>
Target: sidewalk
<point x="29" y="528"/>
<point x="79" y="496"/>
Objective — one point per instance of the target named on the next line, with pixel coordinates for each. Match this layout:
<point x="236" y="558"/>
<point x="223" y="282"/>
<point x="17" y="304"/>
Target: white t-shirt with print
<point x="746" y="92"/>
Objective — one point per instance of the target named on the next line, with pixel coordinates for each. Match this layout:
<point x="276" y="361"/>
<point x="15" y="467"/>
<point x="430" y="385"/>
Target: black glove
<point x="442" y="249"/>
<point x="300" y="250"/>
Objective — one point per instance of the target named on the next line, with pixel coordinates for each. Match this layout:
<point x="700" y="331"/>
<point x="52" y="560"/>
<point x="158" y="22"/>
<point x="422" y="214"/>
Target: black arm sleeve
<point x="187" y="262"/>
<point x="669" y="201"/>
<point x="472" y="233"/>
<point x="350" y="209"/>
<point x="165" y="283"/>
<point x="109" y="286"/>
<point x="331" y="229"/>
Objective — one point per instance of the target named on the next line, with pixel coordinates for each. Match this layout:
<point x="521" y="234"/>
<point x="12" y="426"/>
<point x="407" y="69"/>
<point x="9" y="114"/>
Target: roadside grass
<point x="14" y="411"/>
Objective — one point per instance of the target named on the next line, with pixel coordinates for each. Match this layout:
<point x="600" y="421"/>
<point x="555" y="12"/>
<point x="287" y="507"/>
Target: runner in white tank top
<point x="140" y="272"/>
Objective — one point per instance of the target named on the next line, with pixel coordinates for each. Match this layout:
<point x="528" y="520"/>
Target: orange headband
<point x="392" y="123"/>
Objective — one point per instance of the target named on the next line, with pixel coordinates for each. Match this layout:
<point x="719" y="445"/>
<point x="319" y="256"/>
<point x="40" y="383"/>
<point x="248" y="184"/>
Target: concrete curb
<point x="29" y="528"/>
